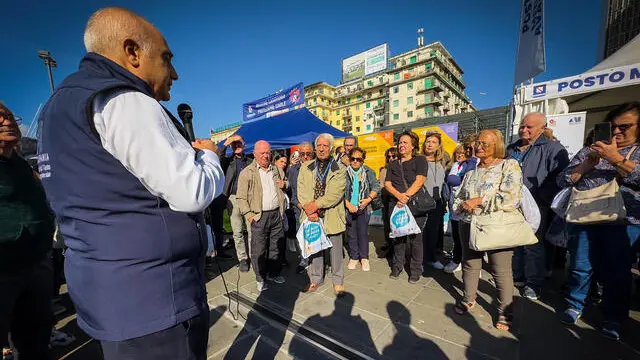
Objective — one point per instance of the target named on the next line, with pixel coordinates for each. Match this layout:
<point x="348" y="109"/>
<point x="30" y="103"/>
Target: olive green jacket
<point x="332" y="202"/>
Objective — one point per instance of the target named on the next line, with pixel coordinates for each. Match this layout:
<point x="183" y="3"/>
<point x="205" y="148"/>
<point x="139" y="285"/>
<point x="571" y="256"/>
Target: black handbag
<point x="421" y="202"/>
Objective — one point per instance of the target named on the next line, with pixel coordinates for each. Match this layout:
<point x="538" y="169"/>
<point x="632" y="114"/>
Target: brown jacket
<point x="332" y="202"/>
<point x="249" y="194"/>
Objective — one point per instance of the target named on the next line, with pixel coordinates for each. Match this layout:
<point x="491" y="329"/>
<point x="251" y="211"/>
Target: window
<point x="428" y="110"/>
<point x="413" y="59"/>
<point x="368" y="105"/>
<point x="380" y="102"/>
<point x="432" y="53"/>
<point x="357" y="128"/>
<point x="410" y="70"/>
<point x="368" y="127"/>
<point x="338" y="122"/>
<point x="396" y="89"/>
<point x="396" y="103"/>
<point x="410" y="114"/>
<point x="357" y="118"/>
<point x="396" y="76"/>
<point x="370" y="83"/>
<point x="359" y="97"/>
<point x="410" y="86"/>
<point x="357" y="107"/>
<point x="337" y="112"/>
<point x="410" y="100"/>
<point x="396" y="116"/>
<point x="321" y="91"/>
<point x="428" y="83"/>
<point x="428" y="66"/>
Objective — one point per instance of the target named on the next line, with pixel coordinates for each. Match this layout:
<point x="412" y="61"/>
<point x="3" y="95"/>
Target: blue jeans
<point x="605" y="249"/>
<point x="529" y="262"/>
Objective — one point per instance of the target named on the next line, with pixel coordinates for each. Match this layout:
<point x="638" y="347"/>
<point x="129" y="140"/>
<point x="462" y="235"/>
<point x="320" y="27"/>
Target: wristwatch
<point x="620" y="162"/>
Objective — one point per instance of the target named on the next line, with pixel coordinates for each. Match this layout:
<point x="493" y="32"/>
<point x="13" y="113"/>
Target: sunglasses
<point x="392" y="157"/>
<point x="357" y="159"/>
<point x="306" y="153"/>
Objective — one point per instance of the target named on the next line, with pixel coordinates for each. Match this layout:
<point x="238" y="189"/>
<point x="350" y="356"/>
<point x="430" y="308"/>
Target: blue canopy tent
<point x="285" y="130"/>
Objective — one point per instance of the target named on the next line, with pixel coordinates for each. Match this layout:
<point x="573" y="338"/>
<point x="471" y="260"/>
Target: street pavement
<point x="380" y="318"/>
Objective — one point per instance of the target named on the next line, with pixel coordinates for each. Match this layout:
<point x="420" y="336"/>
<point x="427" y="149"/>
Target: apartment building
<point x="320" y="99"/>
<point x="362" y="104"/>
<point x="223" y="132"/>
<point x="419" y="84"/>
<point x="423" y="83"/>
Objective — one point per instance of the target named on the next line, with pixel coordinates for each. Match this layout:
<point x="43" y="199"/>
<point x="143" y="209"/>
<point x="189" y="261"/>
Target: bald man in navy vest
<point x="129" y="191"/>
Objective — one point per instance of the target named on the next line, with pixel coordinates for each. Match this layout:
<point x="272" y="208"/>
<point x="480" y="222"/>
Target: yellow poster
<point x="375" y="145"/>
<point x="337" y="143"/>
<point x="449" y="136"/>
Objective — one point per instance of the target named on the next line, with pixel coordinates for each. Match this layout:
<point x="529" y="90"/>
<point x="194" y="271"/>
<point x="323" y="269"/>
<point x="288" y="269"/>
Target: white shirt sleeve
<point x="135" y="129"/>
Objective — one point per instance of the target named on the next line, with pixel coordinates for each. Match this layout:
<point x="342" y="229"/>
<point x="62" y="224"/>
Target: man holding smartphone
<point x="541" y="160"/>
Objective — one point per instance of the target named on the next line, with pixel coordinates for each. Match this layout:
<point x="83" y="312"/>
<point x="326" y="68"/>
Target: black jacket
<point x="229" y="167"/>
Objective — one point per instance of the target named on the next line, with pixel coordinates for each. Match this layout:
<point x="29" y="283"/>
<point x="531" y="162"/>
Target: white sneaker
<point x="352" y="264"/>
<point x="276" y="279"/>
<point x="452" y="267"/>
<point x="262" y="286"/>
<point x="437" y="265"/>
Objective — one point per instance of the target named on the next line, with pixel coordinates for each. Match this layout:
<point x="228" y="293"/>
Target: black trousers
<point x="408" y="249"/>
<point x="216" y="210"/>
<point x="432" y="232"/>
<point x="185" y="341"/>
<point x="265" y="236"/>
<point x="25" y="309"/>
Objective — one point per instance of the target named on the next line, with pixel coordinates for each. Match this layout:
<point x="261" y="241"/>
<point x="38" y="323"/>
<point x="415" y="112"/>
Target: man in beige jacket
<point x="321" y="185"/>
<point x="262" y="202"/>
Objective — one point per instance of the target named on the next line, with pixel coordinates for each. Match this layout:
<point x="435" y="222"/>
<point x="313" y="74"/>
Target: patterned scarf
<point x="322" y="171"/>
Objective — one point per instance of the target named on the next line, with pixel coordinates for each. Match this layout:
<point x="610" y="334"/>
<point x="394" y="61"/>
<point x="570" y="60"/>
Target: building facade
<point x="223" y="132"/>
<point x="320" y="99"/>
<point x="425" y="82"/>
<point x="422" y="83"/>
<point x="619" y="24"/>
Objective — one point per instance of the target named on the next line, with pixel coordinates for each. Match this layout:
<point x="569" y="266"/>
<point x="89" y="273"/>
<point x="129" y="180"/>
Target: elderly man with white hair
<point x="321" y="188"/>
<point x="541" y="160"/>
<point x="129" y="191"/>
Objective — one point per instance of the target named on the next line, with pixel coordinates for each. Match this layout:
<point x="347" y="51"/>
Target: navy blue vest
<point x="134" y="266"/>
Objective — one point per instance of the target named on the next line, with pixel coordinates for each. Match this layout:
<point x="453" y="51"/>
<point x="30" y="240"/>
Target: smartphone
<point x="602" y="132"/>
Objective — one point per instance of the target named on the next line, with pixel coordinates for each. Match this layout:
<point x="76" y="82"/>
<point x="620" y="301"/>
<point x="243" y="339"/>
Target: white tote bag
<point x="311" y="238"/>
<point x="560" y="202"/>
<point x="403" y="223"/>
<point x="530" y="209"/>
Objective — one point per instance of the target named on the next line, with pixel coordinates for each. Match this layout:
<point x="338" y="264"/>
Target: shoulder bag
<point x="600" y="205"/>
<point x="421" y="202"/>
<point x="500" y="230"/>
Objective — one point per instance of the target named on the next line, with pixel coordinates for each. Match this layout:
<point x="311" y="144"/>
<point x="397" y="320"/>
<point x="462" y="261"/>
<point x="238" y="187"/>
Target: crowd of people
<point x="134" y="228"/>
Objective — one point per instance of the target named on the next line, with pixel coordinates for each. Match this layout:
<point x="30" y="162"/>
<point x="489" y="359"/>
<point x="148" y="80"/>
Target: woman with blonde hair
<point x="433" y="233"/>
<point x="494" y="186"/>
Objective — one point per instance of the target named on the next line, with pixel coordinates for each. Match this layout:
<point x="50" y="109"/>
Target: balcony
<point x="436" y="85"/>
<point x="347" y="115"/>
<point x="378" y="107"/>
<point x="429" y="99"/>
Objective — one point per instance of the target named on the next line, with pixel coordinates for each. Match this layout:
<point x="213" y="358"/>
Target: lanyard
<point x="326" y="171"/>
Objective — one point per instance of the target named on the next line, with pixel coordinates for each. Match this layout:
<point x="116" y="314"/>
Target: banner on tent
<point x="449" y="133"/>
<point x="278" y="102"/>
<point x="569" y="130"/>
<point x="375" y="145"/>
<point x="589" y="82"/>
<point x="530" y="59"/>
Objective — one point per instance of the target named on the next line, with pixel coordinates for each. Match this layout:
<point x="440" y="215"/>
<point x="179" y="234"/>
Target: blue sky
<point x="231" y="52"/>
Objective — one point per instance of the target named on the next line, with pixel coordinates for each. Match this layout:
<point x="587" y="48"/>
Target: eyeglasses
<point x="306" y="153"/>
<point x="622" y="127"/>
<point x="469" y="148"/>
<point x="357" y="159"/>
<point x="482" y="144"/>
<point x="392" y="157"/>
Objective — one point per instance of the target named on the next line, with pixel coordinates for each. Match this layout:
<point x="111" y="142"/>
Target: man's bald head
<point x="262" y="153"/>
<point x="532" y="127"/>
<point x="132" y="42"/>
<point x="108" y="28"/>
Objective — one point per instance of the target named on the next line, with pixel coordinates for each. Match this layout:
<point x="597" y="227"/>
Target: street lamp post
<point x="50" y="63"/>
